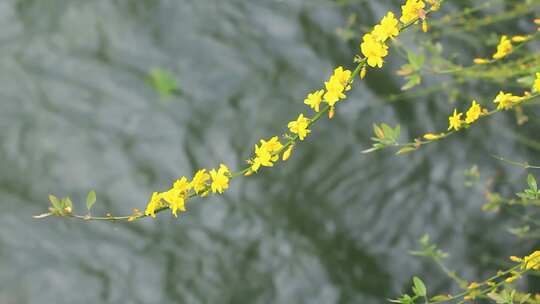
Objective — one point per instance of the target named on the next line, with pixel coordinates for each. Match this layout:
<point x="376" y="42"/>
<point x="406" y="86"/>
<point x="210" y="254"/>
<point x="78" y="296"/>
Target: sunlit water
<point x="331" y="225"/>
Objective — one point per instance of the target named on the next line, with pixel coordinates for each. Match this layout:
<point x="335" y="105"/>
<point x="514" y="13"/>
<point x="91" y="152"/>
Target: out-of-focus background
<point x="331" y="225"/>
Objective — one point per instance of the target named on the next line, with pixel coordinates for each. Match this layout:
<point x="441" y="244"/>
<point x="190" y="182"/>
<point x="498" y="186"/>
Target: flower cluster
<point x="504" y="101"/>
<point x="268" y="152"/>
<point x="202" y="183"/>
<point x="473" y="113"/>
<point x="529" y="262"/>
<point x="373" y="44"/>
<point x="505" y="47"/>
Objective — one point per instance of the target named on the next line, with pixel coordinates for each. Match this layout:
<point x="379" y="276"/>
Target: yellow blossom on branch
<point x="199" y="182"/>
<point x="505" y="101"/>
<point x="263" y="157"/>
<point x="480" y="61"/>
<point x="431" y="136"/>
<point x="411" y="10"/>
<point x="267" y="151"/>
<point x="373" y="50"/>
<point x="273" y="146"/>
<point x="287" y="153"/>
<point x="474" y="112"/>
<point x="504" y="48"/>
<point x="520" y="38"/>
<point x="536" y="85"/>
<point x="532" y="261"/>
<point x="314" y="99"/>
<point x="300" y="126"/>
<point x="177" y="195"/>
<point x="337" y="85"/>
<point x="265" y="154"/>
<point x="454" y="121"/>
<point x="154" y="204"/>
<point x="220" y="179"/>
<point x="388" y="28"/>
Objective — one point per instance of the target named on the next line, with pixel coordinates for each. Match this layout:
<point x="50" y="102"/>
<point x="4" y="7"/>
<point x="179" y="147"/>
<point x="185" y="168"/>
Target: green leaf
<point x="416" y="61"/>
<point x="532" y="182"/>
<point x="67" y="203"/>
<point x="424" y="240"/>
<point x="397" y="132"/>
<point x="163" y="81"/>
<point x="527" y="81"/>
<point x="56" y="203"/>
<point x="419" y="288"/>
<point x="412" y="81"/>
<point x="388" y="131"/>
<point x="90" y="199"/>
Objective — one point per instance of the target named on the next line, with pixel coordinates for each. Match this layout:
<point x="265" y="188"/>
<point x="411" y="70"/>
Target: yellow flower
<point x="504" y="48"/>
<point x="473" y="285"/>
<point x="363" y="72"/>
<point x="532" y="261"/>
<point x="342" y="76"/>
<point x="536" y="85"/>
<point x="373" y="50"/>
<point x="424" y="26"/>
<point x="431" y="136"/>
<point x="411" y="10"/>
<point x="338" y="83"/>
<point x="505" y="100"/>
<point x="220" y="179"/>
<point x="177" y="195"/>
<point x="273" y="145"/>
<point x="480" y="61"/>
<point x="199" y="181"/>
<point x="513" y="277"/>
<point x="153" y="205"/>
<point x="520" y="38"/>
<point x="300" y="126"/>
<point x="287" y="153"/>
<point x="314" y="99"/>
<point x="435" y="5"/>
<point x="473" y="113"/>
<point x="516" y="259"/>
<point x="263" y="157"/>
<point x="266" y="153"/>
<point x="388" y="28"/>
<point x="454" y="121"/>
<point x="334" y="93"/>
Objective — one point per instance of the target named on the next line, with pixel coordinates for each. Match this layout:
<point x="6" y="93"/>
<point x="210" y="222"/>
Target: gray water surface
<point x="331" y="225"/>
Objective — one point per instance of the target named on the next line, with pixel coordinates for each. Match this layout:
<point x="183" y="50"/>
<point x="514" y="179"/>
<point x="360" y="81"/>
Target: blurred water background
<point x="330" y="226"/>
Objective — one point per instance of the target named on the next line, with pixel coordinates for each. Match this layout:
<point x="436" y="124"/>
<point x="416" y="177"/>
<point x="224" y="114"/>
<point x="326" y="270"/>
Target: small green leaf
<point x="56" y="203"/>
<point x="90" y="199"/>
<point x="419" y="287"/>
<point x="532" y="182"/>
<point x="67" y="203"/>
<point x="388" y="131"/>
<point x="415" y="61"/>
<point x="163" y="81"/>
<point x="397" y="132"/>
<point x="412" y="81"/>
